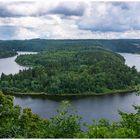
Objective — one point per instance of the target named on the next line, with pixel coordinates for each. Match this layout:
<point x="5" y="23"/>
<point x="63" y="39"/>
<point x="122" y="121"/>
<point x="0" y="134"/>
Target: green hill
<point x="75" y="70"/>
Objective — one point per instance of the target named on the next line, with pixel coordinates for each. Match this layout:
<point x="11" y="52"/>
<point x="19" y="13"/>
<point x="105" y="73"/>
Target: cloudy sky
<point x="68" y="19"/>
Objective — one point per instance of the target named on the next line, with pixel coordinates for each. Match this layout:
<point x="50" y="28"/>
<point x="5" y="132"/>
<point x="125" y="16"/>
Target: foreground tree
<point x="15" y="123"/>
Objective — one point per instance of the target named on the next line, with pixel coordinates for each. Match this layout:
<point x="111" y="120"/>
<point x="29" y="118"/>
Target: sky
<point x="68" y="19"/>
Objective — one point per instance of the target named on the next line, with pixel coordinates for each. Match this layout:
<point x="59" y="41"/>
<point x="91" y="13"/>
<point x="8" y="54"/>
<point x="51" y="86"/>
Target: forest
<point x="72" y="71"/>
<point x="22" y="123"/>
<point x="67" y="68"/>
<point x="5" y="54"/>
<point x="117" y="45"/>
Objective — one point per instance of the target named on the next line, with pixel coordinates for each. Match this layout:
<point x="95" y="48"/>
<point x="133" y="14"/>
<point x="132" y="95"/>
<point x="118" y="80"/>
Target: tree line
<point x="117" y="45"/>
<point x="5" y="54"/>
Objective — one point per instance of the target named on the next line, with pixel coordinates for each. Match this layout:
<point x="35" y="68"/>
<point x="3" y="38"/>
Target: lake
<point x="93" y="107"/>
<point x="132" y="60"/>
<point x="9" y="66"/>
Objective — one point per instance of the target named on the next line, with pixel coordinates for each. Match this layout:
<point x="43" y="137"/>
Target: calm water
<point x="89" y="108"/>
<point x="132" y="59"/>
<point x="9" y="66"/>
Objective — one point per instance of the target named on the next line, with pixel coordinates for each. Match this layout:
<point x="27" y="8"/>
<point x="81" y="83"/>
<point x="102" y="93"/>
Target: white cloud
<point x="23" y="33"/>
<point x="69" y="19"/>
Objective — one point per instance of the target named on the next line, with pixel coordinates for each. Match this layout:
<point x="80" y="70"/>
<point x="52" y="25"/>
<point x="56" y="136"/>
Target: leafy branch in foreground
<point x="15" y="123"/>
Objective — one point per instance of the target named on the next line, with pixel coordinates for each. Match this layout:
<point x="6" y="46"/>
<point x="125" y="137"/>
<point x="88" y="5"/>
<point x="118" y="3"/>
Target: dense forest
<point x="72" y="70"/>
<point x="117" y="45"/>
<point x="67" y="67"/>
<point x="5" y="54"/>
<point x="22" y="123"/>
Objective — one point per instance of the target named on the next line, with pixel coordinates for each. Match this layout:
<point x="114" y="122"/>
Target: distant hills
<point x="117" y="45"/>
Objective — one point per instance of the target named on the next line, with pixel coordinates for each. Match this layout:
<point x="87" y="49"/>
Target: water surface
<point x="9" y="66"/>
<point x="93" y="107"/>
<point x="132" y="60"/>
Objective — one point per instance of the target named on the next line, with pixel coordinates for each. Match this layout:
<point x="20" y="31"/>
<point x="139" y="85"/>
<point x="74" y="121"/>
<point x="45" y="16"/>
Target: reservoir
<point x="9" y="66"/>
<point x="89" y="108"/>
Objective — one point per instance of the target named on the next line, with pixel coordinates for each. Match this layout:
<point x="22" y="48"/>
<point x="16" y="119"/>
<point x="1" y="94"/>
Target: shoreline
<point x="8" y="56"/>
<point x="125" y="91"/>
<point x="111" y="92"/>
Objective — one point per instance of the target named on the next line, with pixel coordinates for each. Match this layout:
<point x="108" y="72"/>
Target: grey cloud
<point x="22" y="2"/>
<point x="68" y="18"/>
<point x="104" y="27"/>
<point x="118" y="17"/>
<point x="67" y="9"/>
<point x="122" y="5"/>
<point x="63" y="8"/>
<point x="6" y="12"/>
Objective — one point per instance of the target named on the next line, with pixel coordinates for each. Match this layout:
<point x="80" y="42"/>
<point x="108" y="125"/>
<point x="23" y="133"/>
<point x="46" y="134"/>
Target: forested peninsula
<point x="72" y="70"/>
<point x="67" y="68"/>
